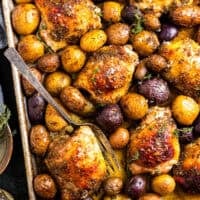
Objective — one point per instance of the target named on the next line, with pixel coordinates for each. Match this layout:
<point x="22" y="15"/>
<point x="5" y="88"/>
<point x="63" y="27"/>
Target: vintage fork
<point x="13" y="56"/>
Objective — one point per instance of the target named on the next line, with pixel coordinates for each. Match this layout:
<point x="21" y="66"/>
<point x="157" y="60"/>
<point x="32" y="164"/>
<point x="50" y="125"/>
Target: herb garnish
<point x="138" y="24"/>
<point x="178" y="131"/>
<point x="135" y="157"/>
<point x="4" y="116"/>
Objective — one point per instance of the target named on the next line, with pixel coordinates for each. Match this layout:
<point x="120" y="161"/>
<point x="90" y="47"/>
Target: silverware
<point x="14" y="57"/>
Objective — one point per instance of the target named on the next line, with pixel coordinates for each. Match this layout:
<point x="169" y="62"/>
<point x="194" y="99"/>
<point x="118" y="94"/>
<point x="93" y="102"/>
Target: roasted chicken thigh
<point x="153" y="146"/>
<point x="76" y="163"/>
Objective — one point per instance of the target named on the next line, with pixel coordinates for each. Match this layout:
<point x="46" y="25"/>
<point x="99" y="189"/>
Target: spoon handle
<point x="13" y="56"/>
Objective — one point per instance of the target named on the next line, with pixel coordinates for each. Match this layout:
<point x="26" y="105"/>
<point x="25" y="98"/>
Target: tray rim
<point x="7" y="6"/>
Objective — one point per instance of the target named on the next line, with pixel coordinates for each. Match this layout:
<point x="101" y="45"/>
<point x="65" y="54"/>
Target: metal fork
<point x="13" y="56"/>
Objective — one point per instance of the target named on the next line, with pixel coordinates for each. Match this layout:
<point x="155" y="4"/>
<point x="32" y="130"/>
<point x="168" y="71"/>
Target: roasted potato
<point x="49" y="62"/>
<point x="185" y="109"/>
<point x="151" y="22"/>
<point x="54" y="122"/>
<point x="118" y="33"/>
<point x="56" y="81"/>
<point x="113" y="186"/>
<point x="150" y="196"/>
<point x="134" y="105"/>
<point x="44" y="186"/>
<point x="141" y="70"/>
<point x="117" y="197"/>
<point x="186" y="15"/>
<point x="93" y="40"/>
<point x="73" y="100"/>
<point x="73" y="59"/>
<point x="198" y="36"/>
<point x="25" y="19"/>
<point x="39" y="139"/>
<point x="112" y="11"/>
<point x="28" y="88"/>
<point x="30" y="48"/>
<point x="145" y="42"/>
<point x="23" y="1"/>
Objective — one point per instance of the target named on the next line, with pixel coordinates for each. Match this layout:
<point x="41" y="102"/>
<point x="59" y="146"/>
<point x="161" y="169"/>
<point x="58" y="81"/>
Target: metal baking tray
<point x="24" y="125"/>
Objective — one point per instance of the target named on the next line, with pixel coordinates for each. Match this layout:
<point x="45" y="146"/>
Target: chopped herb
<point x="43" y="27"/>
<point x="138" y="24"/>
<point x="135" y="157"/>
<point x="93" y="79"/>
<point x="74" y="76"/>
<point x="182" y="130"/>
<point x="4" y="116"/>
<point x="96" y="70"/>
<point x="100" y="105"/>
<point x="162" y="129"/>
<point x="148" y="76"/>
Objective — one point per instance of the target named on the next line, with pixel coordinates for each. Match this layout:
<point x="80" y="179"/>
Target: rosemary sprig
<point x="138" y="24"/>
<point x="4" y="116"/>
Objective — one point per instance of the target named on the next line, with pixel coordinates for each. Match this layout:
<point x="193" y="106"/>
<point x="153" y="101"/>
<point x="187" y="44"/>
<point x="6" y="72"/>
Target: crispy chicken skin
<point x="76" y="163"/>
<point x="108" y="73"/>
<point x="153" y="147"/>
<point x="183" y="70"/>
<point x="68" y="20"/>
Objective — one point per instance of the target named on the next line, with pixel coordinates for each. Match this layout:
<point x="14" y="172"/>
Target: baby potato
<point x="141" y="70"/>
<point x="134" y="105"/>
<point x="44" y="186"/>
<point x="39" y="139"/>
<point x="156" y="63"/>
<point x="54" y="122"/>
<point x="113" y="186"/>
<point x="30" y="48"/>
<point x="120" y="138"/>
<point x="73" y="100"/>
<point x="145" y="42"/>
<point x="73" y="59"/>
<point x="198" y="36"/>
<point x="56" y="81"/>
<point x="151" y="22"/>
<point x="49" y="62"/>
<point x="186" y="15"/>
<point x="117" y="197"/>
<point x="150" y="196"/>
<point x="118" y="33"/>
<point x="93" y="40"/>
<point x="112" y="11"/>
<point x="25" y="19"/>
<point x="28" y="88"/>
<point x="185" y="109"/>
<point x="23" y="1"/>
<point x="163" y="184"/>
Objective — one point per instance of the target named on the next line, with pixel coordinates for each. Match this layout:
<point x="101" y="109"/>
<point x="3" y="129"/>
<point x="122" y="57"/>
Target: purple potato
<point x="36" y="108"/>
<point x="168" y="32"/>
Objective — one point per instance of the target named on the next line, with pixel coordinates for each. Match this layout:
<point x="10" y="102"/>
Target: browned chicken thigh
<point x="108" y="73"/>
<point x="76" y="163"/>
<point x="67" y="20"/>
<point x="153" y="147"/>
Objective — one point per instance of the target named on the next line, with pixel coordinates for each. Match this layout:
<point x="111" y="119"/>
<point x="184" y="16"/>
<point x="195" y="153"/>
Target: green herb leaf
<point x="148" y="76"/>
<point x="138" y="25"/>
<point x="135" y="157"/>
<point x="182" y="130"/>
<point x="4" y="116"/>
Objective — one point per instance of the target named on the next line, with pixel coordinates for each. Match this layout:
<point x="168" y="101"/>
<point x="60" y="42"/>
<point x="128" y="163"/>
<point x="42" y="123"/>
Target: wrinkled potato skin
<point x="186" y="15"/>
<point x="28" y="88"/>
<point x="44" y="186"/>
<point x="113" y="186"/>
<point x="73" y="100"/>
<point x="134" y="105"/>
<point x="23" y="1"/>
<point x="145" y="42"/>
<point x="151" y="22"/>
<point x="118" y="34"/>
<point x="156" y="63"/>
<point x="49" y="62"/>
<point x="141" y="70"/>
<point x="25" y="19"/>
<point x="73" y="59"/>
<point x="30" y="48"/>
<point x="54" y="122"/>
<point x="112" y="11"/>
<point x="93" y="40"/>
<point x="39" y="139"/>
<point x="56" y="81"/>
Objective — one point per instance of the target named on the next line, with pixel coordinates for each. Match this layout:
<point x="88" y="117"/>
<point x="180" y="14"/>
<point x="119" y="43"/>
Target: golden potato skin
<point x="117" y="197"/>
<point x="112" y="11"/>
<point x="134" y="105"/>
<point x="150" y="196"/>
<point x="118" y="33"/>
<point x="185" y="109"/>
<point x="25" y="19"/>
<point x="73" y="59"/>
<point x="113" y="185"/>
<point x="145" y="42"/>
<point x="151" y="22"/>
<point x="44" y="186"/>
<point x="141" y="70"/>
<point x="28" y="88"/>
<point x="186" y="15"/>
<point x="56" y="81"/>
<point x="30" y="48"/>
<point x="120" y="138"/>
<point x="23" y="1"/>
<point x="53" y="121"/>
<point x="163" y="184"/>
<point x="93" y="40"/>
<point x="39" y="139"/>
<point x="49" y="62"/>
<point x="73" y="100"/>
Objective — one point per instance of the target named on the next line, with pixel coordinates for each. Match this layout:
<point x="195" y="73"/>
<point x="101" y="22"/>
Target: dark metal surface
<point x="13" y="179"/>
